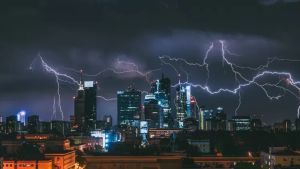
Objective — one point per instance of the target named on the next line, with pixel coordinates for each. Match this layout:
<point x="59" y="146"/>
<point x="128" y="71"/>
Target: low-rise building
<point x="280" y="156"/>
<point x="27" y="164"/>
<point x="63" y="159"/>
<point x="202" y="145"/>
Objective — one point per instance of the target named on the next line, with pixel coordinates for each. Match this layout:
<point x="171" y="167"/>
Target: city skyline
<point x="27" y="86"/>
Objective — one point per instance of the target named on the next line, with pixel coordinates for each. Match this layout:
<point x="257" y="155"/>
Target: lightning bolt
<point x="240" y="79"/>
<point x="62" y="77"/>
<point x="58" y="77"/>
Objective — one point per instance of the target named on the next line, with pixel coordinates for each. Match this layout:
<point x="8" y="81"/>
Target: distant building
<point x="60" y="127"/>
<point x="202" y="145"/>
<point x="241" y="123"/>
<point x="85" y="106"/>
<point x="90" y="88"/>
<point x="284" y="126"/>
<point x="107" y="120"/>
<point x="33" y="124"/>
<point x="161" y="89"/>
<point x="72" y="122"/>
<point x="153" y="111"/>
<point x="2" y="127"/>
<point x="214" y="120"/>
<point x="45" y="127"/>
<point x="162" y="133"/>
<point x="297" y="124"/>
<point x="11" y="124"/>
<point x="256" y="124"/>
<point x="182" y="105"/>
<point x="21" y="116"/>
<point x="129" y="106"/>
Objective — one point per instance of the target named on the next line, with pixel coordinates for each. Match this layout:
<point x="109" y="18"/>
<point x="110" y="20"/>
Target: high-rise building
<point x="107" y="120"/>
<point x="162" y="85"/>
<point x="79" y="108"/>
<point x="11" y="124"/>
<point x="129" y="106"/>
<point x="90" y="89"/>
<point x="183" y="103"/>
<point x="161" y="89"/>
<point x="21" y="117"/>
<point x="85" y="106"/>
<point x="153" y="112"/>
<point x="33" y="123"/>
<point x="194" y="108"/>
<point x="180" y="104"/>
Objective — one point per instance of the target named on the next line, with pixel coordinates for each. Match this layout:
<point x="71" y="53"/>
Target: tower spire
<point x="80" y="82"/>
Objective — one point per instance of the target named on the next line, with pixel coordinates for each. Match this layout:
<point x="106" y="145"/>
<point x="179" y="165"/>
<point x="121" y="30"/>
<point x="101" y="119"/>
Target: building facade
<point x="129" y="106"/>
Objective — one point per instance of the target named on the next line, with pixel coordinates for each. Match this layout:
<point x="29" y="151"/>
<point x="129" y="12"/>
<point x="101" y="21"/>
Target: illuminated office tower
<point x="162" y="91"/>
<point x="21" y="117"/>
<point x="85" y="106"/>
<point x="129" y="106"/>
<point x="188" y="101"/>
<point x="153" y="111"/>
<point x="79" y="108"/>
<point x="180" y="104"/>
<point x="90" y="89"/>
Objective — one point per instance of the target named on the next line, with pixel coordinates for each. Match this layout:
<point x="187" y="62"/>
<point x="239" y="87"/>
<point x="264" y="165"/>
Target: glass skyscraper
<point x="129" y="106"/>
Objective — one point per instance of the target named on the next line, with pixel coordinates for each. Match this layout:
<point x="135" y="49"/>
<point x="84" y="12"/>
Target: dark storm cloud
<point x="93" y="34"/>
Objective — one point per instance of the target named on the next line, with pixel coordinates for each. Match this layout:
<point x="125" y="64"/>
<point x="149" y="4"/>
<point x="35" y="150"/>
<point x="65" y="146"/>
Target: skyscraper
<point x="90" y="89"/>
<point x="79" y="107"/>
<point x="21" y="117"/>
<point x="85" y="106"/>
<point x="153" y="112"/>
<point x="33" y="123"/>
<point x="161" y="89"/>
<point x="129" y="106"/>
<point x="181" y="104"/>
<point x="11" y="124"/>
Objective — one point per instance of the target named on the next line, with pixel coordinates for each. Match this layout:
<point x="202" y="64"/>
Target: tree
<point x="29" y="152"/>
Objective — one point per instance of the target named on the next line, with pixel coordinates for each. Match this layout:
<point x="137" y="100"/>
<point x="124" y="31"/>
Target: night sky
<point x="94" y="35"/>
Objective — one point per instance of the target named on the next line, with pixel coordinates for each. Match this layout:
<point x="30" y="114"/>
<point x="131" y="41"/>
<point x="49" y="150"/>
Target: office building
<point x="161" y="89"/>
<point x="180" y="104"/>
<point x="256" y="124"/>
<point x="85" y="106"/>
<point x="284" y="126"/>
<point x="241" y="123"/>
<point x="107" y="120"/>
<point x="214" y="120"/>
<point x="45" y="127"/>
<point x="21" y="117"/>
<point x="60" y="127"/>
<point x="90" y="89"/>
<point x="153" y="112"/>
<point x="11" y="124"/>
<point x="33" y="124"/>
<point x="129" y="106"/>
